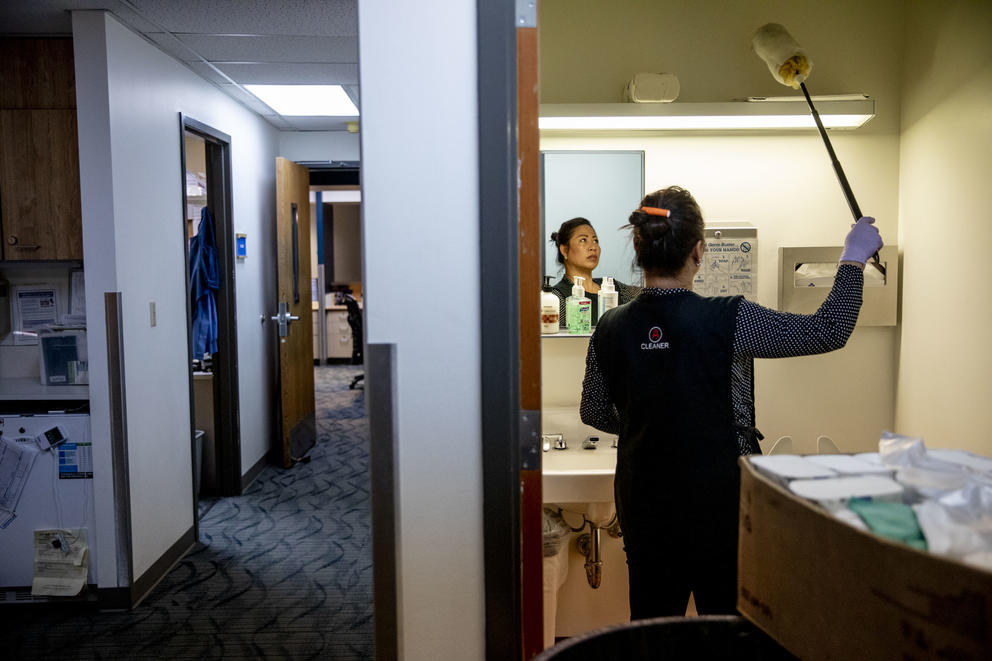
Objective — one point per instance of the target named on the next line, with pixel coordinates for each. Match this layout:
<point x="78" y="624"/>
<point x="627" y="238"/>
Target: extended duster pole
<point x="841" y="178"/>
<point x="789" y="65"/>
<point x="848" y="193"/>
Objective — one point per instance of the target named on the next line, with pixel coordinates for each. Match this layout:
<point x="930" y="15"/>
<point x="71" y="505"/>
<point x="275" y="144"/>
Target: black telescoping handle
<point x="841" y="178"/>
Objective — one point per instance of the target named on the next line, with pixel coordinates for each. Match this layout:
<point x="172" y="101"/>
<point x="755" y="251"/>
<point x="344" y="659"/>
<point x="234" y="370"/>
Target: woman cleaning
<point x="672" y="374"/>
<point x="579" y="251"/>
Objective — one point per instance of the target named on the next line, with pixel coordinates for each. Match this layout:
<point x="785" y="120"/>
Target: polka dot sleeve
<point x="765" y="333"/>
<point x="596" y="408"/>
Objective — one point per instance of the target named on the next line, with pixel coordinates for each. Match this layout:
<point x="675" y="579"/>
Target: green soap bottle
<point x="578" y="309"/>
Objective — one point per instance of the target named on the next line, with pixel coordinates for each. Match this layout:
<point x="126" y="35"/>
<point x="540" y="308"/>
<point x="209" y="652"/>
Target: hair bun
<point x="554" y="237"/>
<point x="638" y="218"/>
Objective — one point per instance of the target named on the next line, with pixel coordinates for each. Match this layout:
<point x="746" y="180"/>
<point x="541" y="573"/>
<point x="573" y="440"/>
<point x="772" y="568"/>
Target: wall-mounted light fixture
<point x="756" y="113"/>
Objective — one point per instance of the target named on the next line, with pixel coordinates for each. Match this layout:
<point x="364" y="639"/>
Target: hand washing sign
<point x="729" y="266"/>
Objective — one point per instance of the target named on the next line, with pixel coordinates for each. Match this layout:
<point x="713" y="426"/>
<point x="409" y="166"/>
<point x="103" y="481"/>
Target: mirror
<point x="602" y="186"/>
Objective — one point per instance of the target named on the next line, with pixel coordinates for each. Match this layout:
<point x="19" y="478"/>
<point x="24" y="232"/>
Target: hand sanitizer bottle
<point x="549" y="308"/>
<point x="608" y="297"/>
<point x="578" y="309"/>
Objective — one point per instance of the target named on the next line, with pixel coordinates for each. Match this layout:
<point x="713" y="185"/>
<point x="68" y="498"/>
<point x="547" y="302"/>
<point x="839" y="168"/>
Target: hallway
<point x="283" y="572"/>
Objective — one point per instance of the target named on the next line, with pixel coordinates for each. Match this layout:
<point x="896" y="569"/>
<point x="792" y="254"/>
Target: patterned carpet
<point x="283" y="572"/>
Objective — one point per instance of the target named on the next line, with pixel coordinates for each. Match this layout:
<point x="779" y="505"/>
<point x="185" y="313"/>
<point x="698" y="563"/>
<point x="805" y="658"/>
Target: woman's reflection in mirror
<point x="578" y="253"/>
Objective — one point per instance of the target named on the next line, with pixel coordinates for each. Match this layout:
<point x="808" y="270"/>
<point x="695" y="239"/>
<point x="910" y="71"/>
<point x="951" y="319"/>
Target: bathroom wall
<point x="945" y="359"/>
<point x="782" y="183"/>
<point x="589" y="48"/>
<point x="848" y="395"/>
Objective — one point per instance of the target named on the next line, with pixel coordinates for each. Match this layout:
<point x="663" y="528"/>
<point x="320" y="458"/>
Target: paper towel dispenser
<point x="807" y="274"/>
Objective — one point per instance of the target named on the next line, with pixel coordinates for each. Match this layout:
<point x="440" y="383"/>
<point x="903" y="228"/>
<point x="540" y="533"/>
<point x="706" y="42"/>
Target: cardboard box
<point x="825" y="590"/>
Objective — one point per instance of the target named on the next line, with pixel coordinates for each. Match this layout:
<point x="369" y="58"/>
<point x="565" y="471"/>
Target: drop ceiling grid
<point x="268" y="48"/>
<point x="253" y="17"/>
<point x="244" y="41"/>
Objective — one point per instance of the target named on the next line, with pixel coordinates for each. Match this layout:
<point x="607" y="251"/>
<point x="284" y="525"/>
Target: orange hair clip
<point x="655" y="211"/>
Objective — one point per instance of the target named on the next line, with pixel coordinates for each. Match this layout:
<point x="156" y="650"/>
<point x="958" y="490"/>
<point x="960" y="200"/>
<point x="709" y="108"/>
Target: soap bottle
<point x="578" y="309"/>
<point x="608" y="297"/>
<point x="549" y="308"/>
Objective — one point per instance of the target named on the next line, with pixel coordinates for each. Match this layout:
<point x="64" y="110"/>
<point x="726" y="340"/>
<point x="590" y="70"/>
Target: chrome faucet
<point x="591" y="443"/>
<point x="553" y="441"/>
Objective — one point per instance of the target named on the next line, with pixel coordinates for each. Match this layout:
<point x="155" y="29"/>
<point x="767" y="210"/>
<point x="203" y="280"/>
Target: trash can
<point x="671" y="638"/>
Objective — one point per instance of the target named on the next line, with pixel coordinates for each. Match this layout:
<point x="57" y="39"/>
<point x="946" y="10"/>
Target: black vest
<point x="666" y="359"/>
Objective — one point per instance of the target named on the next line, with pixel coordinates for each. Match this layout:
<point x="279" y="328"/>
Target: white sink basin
<point x="579" y="476"/>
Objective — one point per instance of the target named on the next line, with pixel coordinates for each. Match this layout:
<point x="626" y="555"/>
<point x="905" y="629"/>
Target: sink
<point x="579" y="476"/>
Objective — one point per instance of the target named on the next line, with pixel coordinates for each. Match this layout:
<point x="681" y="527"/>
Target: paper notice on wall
<point x="16" y="461"/>
<point x="61" y="562"/>
<point x="34" y="309"/>
<point x="727" y="268"/>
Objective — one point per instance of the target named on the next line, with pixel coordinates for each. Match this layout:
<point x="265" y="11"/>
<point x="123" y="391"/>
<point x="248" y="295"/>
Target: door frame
<point x="227" y="414"/>
<point x="507" y="428"/>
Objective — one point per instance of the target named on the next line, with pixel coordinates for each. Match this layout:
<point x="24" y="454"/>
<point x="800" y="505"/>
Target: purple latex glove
<point x="862" y="241"/>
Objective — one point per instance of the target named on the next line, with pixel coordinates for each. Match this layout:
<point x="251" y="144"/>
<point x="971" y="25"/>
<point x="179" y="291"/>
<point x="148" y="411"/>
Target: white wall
<point x="945" y="358"/>
<point x="743" y="178"/>
<point x="431" y="240"/>
<point x="781" y="183"/>
<point x="347" y="243"/>
<point x="129" y="98"/>
<point x="590" y="48"/>
<point x="319" y="145"/>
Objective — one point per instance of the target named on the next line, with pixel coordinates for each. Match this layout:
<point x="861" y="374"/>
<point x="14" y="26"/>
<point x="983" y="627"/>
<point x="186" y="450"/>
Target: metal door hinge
<point x="530" y="440"/>
<point x="526" y="14"/>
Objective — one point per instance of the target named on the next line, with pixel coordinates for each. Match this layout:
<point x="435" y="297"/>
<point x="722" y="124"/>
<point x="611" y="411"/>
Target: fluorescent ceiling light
<point x="730" y="116"/>
<point x="305" y="100"/>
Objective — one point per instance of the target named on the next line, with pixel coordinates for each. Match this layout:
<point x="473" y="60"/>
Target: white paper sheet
<point x="16" y="461"/>
<point x="34" y="308"/>
<point x="61" y="562"/>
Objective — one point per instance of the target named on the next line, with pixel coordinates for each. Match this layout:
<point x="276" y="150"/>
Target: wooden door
<point x="297" y="409"/>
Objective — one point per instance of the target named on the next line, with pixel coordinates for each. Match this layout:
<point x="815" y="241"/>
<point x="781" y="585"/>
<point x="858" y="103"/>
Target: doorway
<point x="209" y="247"/>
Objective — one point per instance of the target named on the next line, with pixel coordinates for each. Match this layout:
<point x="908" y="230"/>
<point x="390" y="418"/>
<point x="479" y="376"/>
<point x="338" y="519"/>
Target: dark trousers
<point x="662" y="573"/>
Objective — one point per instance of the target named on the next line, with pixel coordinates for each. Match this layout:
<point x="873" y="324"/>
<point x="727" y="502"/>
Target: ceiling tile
<point x="206" y="71"/>
<point x="253" y="17"/>
<point x="228" y="48"/>
<point x="279" y="122"/>
<point x="282" y="73"/>
<point x="247" y="99"/>
<point x="172" y="46"/>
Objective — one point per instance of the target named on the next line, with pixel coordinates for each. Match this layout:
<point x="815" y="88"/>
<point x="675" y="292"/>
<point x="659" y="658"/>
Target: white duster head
<point x="786" y="60"/>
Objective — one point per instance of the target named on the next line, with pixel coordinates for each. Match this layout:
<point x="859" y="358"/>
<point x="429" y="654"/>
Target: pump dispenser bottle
<point x="578" y="309"/>
<point x="608" y="297"/>
<point x="549" y="308"/>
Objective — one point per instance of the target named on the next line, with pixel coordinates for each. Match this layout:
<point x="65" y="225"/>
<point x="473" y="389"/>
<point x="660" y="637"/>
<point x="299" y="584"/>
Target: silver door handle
<point x="284" y="318"/>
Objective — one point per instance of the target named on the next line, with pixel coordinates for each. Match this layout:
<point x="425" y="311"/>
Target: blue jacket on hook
<point x="204" y="281"/>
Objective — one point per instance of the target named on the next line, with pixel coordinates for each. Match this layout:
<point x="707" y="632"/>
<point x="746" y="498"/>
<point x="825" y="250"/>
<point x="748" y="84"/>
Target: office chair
<point x="355" y="322"/>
